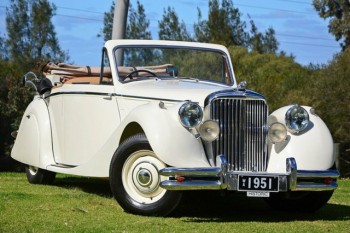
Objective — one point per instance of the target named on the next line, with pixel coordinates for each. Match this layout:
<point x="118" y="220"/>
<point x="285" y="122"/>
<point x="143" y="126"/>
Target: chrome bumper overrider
<point x="216" y="178"/>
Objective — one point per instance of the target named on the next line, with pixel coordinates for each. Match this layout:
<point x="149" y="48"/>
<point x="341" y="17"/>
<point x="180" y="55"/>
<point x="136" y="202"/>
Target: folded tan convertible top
<point x="67" y="71"/>
<point x="70" y="71"/>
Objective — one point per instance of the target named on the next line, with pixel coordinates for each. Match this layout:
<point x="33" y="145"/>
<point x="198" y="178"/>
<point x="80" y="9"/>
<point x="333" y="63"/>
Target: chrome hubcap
<point x="145" y="177"/>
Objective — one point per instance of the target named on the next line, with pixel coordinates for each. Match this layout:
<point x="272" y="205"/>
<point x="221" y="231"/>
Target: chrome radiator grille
<point x="243" y="136"/>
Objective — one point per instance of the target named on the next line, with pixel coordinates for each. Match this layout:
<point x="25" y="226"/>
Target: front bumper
<point x="216" y="178"/>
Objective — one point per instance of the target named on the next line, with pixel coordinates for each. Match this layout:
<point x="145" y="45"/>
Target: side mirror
<point x="172" y="71"/>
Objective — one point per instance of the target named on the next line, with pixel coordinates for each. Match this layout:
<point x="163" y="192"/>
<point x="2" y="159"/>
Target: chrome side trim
<point x="111" y="94"/>
<point x="80" y="93"/>
<point x="151" y="98"/>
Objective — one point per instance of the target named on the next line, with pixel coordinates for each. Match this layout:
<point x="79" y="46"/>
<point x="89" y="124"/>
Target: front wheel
<point x="299" y="201"/>
<point x="39" y="176"/>
<point x="134" y="179"/>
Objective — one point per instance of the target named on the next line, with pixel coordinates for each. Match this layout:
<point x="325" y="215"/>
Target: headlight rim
<point x="183" y="108"/>
<point x="289" y="123"/>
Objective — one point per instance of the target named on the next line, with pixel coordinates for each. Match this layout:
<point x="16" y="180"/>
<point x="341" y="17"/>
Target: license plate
<point x="258" y="183"/>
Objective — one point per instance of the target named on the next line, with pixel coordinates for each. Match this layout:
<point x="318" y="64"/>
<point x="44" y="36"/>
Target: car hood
<point x="172" y="90"/>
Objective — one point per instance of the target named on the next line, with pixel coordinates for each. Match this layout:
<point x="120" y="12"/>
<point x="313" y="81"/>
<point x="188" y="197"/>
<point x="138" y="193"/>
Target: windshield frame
<point x="225" y="57"/>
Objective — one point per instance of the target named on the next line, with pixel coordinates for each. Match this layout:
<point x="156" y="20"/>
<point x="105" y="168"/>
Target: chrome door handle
<point x="108" y="97"/>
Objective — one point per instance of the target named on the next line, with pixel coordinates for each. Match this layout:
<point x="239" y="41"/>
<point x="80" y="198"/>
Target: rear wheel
<point x="39" y="176"/>
<point x="300" y="201"/>
<point x="134" y="179"/>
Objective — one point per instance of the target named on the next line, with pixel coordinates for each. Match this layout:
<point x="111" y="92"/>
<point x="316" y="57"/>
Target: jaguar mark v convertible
<point x="160" y="117"/>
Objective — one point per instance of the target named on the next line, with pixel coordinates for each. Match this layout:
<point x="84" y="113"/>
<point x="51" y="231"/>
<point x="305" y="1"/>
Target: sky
<point x="299" y="29"/>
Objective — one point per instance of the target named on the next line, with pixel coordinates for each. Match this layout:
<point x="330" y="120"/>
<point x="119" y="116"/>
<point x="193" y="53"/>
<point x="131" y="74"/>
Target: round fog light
<point x="209" y="131"/>
<point x="277" y="132"/>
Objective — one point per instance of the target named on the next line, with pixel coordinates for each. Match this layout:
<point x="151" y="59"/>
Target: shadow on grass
<point x="89" y="185"/>
<point x="210" y="206"/>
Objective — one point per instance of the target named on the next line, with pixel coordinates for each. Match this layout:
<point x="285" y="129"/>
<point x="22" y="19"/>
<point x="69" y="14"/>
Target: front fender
<point x="312" y="149"/>
<point x="172" y="143"/>
<point x="33" y="144"/>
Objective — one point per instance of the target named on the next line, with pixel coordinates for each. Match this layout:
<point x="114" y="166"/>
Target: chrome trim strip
<point x="111" y="94"/>
<point x="318" y="174"/>
<point x="63" y="165"/>
<point x="191" y="185"/>
<point x="203" y="171"/>
<point x="316" y="187"/>
<point x="80" y="93"/>
<point x="152" y="98"/>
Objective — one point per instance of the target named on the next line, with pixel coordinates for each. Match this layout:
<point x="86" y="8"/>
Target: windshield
<point x="139" y="63"/>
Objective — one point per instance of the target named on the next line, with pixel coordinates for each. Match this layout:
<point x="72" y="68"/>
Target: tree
<point x="13" y="100"/>
<point x="280" y="79"/>
<point x="137" y="26"/>
<point x="338" y="11"/>
<point x="31" y="40"/>
<point x="262" y="43"/>
<point x="31" y="36"/>
<point x="138" y="23"/>
<point x="3" y="49"/>
<point x="225" y="25"/>
<point x="201" y="30"/>
<point x="331" y="95"/>
<point x="108" y="23"/>
<point x="170" y="27"/>
<point x="270" y="42"/>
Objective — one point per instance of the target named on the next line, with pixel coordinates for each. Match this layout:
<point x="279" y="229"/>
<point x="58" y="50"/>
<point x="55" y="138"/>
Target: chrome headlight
<point x="297" y="119"/>
<point x="277" y="132"/>
<point x="209" y="130"/>
<point x="191" y="114"/>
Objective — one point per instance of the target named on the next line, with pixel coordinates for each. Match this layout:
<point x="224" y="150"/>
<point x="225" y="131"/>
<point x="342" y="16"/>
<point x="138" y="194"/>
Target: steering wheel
<point x="137" y="71"/>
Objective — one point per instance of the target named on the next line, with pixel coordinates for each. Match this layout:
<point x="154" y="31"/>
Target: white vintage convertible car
<point x="160" y="117"/>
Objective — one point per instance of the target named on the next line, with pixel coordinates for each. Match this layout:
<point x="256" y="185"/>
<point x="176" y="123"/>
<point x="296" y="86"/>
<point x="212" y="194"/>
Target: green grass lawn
<point x="75" y="204"/>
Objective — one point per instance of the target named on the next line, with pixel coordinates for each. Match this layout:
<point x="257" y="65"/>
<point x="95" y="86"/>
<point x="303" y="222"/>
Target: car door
<point x="82" y="120"/>
<point x="83" y="116"/>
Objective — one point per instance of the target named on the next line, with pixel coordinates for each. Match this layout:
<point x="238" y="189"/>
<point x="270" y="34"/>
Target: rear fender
<point x="33" y="144"/>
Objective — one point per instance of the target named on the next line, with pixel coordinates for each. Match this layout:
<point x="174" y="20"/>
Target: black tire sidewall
<point x="40" y="177"/>
<point x="160" y="208"/>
